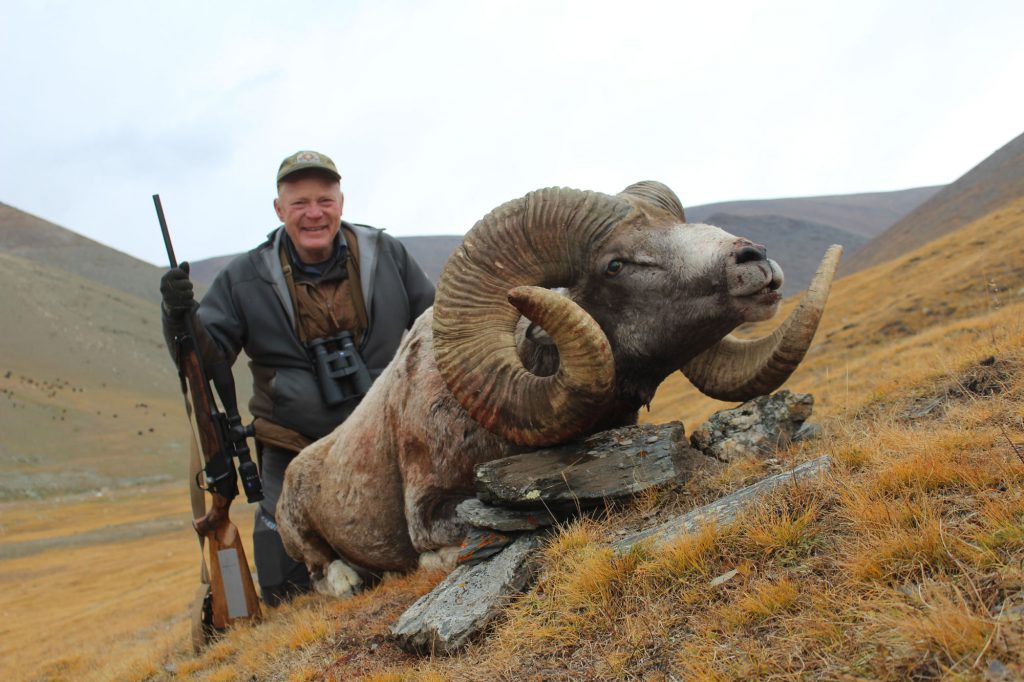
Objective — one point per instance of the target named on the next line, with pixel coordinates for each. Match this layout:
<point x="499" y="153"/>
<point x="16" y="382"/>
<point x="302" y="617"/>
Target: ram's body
<point x="641" y="294"/>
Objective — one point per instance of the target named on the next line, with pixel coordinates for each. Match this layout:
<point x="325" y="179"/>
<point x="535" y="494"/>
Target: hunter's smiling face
<point x="310" y="208"/>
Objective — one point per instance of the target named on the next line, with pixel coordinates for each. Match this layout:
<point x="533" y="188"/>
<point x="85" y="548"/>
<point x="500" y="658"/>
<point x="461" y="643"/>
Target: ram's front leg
<point x="434" y="528"/>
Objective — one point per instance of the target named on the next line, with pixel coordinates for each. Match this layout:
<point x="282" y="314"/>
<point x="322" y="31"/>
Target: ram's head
<point x="627" y="291"/>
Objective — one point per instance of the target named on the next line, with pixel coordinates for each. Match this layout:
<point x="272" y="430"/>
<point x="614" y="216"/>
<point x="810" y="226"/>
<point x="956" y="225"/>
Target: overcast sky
<point x="436" y="112"/>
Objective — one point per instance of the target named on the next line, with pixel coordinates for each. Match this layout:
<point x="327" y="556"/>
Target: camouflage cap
<point x="306" y="159"/>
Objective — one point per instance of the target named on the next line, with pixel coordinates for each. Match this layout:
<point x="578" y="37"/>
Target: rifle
<point x="230" y="595"/>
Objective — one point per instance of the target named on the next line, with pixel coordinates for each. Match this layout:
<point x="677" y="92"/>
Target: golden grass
<point x="119" y="606"/>
<point x="762" y="601"/>
<point x="905" y="561"/>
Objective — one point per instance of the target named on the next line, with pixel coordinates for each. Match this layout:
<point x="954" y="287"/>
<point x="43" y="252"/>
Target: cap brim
<point x="311" y="167"/>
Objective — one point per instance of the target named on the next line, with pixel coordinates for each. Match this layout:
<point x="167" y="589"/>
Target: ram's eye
<point x="614" y="268"/>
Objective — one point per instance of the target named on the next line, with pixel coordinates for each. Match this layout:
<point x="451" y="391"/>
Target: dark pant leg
<point x="279" y="575"/>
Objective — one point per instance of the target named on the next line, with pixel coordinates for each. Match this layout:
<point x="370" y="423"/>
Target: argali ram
<point x="617" y="292"/>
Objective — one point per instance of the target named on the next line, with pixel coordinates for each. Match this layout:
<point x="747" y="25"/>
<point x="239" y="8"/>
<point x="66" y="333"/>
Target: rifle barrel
<point x="166" y="232"/>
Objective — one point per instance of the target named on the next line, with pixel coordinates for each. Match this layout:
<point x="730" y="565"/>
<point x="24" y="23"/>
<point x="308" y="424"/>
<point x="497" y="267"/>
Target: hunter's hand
<point x="176" y="288"/>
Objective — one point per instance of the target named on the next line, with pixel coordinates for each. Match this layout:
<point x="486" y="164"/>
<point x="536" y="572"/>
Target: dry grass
<point x="906" y="561"/>
<point x="119" y="605"/>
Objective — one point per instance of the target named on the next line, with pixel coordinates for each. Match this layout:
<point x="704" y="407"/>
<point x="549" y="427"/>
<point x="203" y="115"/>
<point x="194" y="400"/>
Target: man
<point x="315" y="279"/>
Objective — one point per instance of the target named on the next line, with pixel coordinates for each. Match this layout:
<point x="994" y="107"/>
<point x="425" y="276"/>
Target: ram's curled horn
<point x="659" y="195"/>
<point x="738" y="370"/>
<point x="513" y="255"/>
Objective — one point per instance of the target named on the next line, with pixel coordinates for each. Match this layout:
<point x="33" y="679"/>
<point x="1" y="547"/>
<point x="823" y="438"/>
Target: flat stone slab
<point x="478" y="513"/>
<point x="462" y="605"/>
<point x="609" y="464"/>
<point x="723" y="510"/>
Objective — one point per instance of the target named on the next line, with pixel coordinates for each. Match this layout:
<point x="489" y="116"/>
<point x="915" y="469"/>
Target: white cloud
<point x="437" y="112"/>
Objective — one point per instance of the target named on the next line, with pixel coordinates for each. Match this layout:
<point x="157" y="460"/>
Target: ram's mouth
<point x="755" y="280"/>
<point x="769" y="293"/>
<point x="757" y="290"/>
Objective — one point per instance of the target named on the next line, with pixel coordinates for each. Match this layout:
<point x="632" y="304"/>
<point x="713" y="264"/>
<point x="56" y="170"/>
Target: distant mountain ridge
<point x="865" y="214"/>
<point x="795" y="230"/>
<point x="992" y="183"/>
<point x="788" y="227"/>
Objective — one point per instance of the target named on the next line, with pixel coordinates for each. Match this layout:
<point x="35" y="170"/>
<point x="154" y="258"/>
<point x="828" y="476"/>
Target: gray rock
<point x="462" y="605"/>
<point x="478" y="513"/>
<point x="721" y="511"/>
<point x="609" y="464"/>
<point x="756" y="428"/>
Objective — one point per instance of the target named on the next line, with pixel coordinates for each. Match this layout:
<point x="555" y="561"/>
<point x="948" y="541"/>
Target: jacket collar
<point x="268" y="263"/>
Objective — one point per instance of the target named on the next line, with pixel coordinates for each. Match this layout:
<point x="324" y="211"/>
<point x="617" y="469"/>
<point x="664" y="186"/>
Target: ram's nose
<point x="749" y="253"/>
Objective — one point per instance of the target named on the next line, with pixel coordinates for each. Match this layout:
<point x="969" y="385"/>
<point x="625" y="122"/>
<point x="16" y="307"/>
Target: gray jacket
<point x="248" y="307"/>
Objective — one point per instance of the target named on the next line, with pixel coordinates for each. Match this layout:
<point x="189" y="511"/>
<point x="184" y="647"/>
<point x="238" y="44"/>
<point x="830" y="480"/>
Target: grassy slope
<point x="906" y="562"/>
<point x="87" y="390"/>
<point x="89" y="397"/>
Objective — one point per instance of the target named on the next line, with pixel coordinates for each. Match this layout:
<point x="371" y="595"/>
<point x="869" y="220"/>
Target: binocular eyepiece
<point x="339" y="368"/>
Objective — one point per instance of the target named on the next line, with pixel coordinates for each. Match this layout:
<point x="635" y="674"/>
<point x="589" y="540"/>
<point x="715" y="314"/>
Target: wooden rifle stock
<point x="232" y="594"/>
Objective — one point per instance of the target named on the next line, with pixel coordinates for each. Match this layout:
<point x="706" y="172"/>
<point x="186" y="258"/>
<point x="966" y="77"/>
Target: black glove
<point x="176" y="288"/>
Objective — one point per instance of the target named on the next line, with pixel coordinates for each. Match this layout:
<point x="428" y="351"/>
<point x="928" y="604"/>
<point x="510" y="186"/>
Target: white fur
<point x="339" y="581"/>
<point x="443" y="559"/>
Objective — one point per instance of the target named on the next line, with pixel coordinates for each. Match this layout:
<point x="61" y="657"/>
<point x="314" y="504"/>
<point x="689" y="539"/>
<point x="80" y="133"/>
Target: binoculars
<point x="339" y="368"/>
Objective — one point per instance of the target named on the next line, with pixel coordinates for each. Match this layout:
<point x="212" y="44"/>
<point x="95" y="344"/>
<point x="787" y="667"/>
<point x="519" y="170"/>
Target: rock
<point x="722" y="511"/>
<point x="479" y="514"/>
<point x="462" y="605"/>
<point x="756" y="428"/>
<point x="609" y="464"/>
<point x="480" y="544"/>
<point x="808" y="431"/>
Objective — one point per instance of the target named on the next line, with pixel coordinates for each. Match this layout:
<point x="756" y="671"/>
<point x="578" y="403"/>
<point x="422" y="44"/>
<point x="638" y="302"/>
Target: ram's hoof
<point x="339" y="581"/>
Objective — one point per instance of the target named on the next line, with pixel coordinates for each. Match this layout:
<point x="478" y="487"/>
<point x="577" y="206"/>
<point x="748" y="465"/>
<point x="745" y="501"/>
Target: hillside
<point x="986" y="187"/>
<point x="34" y="239"/>
<point x="869" y="574"/>
<point x="88" y="395"/>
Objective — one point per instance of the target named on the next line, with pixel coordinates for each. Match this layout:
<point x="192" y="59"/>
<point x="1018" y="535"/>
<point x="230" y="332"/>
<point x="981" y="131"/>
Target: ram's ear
<point x="657" y="194"/>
